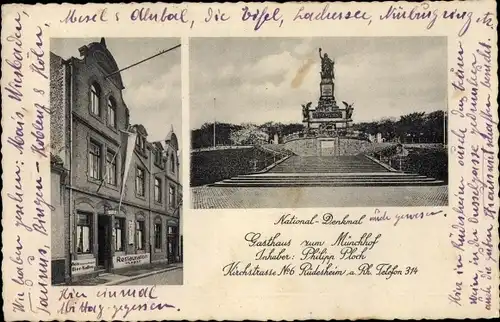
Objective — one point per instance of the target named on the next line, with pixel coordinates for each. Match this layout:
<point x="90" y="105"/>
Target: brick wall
<point x="57" y="216"/>
<point x="57" y="106"/>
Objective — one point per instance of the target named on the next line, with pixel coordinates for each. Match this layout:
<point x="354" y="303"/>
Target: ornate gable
<point x="140" y="130"/>
<point x="98" y="53"/>
<point x="171" y="140"/>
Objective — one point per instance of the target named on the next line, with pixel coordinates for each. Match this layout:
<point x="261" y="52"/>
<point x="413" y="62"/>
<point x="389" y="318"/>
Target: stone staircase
<point x="340" y="171"/>
<point x="340" y="164"/>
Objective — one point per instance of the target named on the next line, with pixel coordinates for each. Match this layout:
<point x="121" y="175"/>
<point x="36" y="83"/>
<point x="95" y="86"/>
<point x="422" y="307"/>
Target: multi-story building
<point x="92" y="231"/>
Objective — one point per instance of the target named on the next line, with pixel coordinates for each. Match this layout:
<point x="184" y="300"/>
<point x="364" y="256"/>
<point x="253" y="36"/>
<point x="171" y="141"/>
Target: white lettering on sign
<point x="82" y="266"/>
<point x="130" y="260"/>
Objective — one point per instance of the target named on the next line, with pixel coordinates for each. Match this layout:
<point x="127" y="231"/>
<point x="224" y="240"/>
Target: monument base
<point x="328" y="146"/>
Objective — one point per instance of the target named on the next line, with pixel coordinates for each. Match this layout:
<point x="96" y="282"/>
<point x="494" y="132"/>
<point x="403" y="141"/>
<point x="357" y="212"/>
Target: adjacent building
<point x="92" y="232"/>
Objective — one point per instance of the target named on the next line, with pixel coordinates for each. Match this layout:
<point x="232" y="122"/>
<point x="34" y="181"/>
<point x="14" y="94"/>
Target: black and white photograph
<point x="318" y="122"/>
<point x="115" y="161"/>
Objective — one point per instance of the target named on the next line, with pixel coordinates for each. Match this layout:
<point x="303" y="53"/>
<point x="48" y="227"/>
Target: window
<point x="95" y="160"/>
<point x="139" y="182"/>
<point x="84" y="233"/>
<point x="172" y="163"/>
<point x="140" y="143"/>
<point x="119" y="234"/>
<point x="171" y="196"/>
<point x="158" y="157"/>
<point x="158" y="235"/>
<point x="95" y="108"/>
<point x="111" y="113"/>
<point x="158" y="190"/>
<point x="173" y="230"/>
<point x="140" y="234"/>
<point x="111" y="167"/>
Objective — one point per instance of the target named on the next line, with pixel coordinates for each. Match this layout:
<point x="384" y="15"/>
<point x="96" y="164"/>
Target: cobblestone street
<point x="235" y="197"/>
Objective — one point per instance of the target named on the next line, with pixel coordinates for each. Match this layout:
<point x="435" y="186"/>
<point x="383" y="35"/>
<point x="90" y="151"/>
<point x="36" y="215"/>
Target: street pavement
<point x="171" y="277"/>
<point x="303" y="197"/>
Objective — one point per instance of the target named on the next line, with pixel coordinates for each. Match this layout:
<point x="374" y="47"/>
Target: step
<point x="265" y="176"/>
<point x="327" y="175"/>
<point x="329" y="180"/>
<point x="329" y="184"/>
<point x="329" y="171"/>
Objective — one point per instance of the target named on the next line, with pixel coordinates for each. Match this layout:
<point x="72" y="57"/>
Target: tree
<point x="410" y="126"/>
<point x="249" y="134"/>
<point x="204" y="136"/>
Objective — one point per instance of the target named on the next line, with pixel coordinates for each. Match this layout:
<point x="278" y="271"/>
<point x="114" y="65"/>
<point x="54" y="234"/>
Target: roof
<point x="99" y="52"/>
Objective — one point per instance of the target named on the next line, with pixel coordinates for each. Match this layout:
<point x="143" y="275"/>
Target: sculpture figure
<point x="305" y="110"/>
<point x="327" y="66"/>
<point x="349" y="109"/>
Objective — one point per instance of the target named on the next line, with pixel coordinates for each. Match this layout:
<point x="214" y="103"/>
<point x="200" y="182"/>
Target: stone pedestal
<point x="327" y="116"/>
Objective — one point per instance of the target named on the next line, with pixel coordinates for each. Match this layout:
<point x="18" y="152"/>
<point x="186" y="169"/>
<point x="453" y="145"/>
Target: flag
<point x="106" y="174"/>
<point x="131" y="136"/>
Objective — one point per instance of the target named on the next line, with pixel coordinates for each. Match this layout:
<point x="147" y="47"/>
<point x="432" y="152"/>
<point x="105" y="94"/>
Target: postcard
<point x="250" y="161"/>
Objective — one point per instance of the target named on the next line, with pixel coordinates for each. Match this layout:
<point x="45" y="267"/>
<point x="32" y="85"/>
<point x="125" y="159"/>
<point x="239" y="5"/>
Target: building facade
<point x="92" y="231"/>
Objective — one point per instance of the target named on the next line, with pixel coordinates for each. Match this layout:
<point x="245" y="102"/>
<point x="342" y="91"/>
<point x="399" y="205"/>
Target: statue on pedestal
<point x="349" y="109"/>
<point x="305" y="110"/>
<point x="327" y="66"/>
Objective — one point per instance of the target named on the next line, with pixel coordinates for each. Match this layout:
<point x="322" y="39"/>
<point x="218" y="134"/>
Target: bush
<point x="216" y="165"/>
<point x="428" y="162"/>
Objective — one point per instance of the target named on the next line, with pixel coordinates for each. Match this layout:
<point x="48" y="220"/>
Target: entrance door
<point x="327" y="147"/>
<point x="104" y="241"/>
<point x="172" y="244"/>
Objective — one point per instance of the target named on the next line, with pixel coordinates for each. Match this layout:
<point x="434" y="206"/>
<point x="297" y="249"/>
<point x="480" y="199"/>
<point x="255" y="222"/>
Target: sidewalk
<point x="130" y="274"/>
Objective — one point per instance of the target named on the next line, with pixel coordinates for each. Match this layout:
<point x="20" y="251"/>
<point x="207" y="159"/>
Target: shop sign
<point x="82" y="266"/>
<point x="130" y="260"/>
<point x="131" y="235"/>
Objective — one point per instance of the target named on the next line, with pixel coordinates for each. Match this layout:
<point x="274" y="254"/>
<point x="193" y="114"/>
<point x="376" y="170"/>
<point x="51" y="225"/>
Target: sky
<point x="152" y="89"/>
<point x="256" y="80"/>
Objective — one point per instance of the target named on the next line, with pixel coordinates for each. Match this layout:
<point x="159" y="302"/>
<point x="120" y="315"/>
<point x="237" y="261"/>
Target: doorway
<point x="104" y="242"/>
<point x="172" y="244"/>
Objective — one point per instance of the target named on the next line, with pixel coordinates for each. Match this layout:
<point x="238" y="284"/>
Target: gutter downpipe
<point x="150" y="213"/>
<point x="71" y="210"/>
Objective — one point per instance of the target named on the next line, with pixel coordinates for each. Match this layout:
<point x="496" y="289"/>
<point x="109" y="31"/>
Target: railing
<point x="325" y="133"/>
<point x="219" y="163"/>
<point x="411" y="159"/>
<point x="222" y="147"/>
<point x="268" y="158"/>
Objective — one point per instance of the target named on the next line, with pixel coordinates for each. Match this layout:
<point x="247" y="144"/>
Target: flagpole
<point x="215" y="121"/>
<point x="142" y="61"/>
<point x="445" y="127"/>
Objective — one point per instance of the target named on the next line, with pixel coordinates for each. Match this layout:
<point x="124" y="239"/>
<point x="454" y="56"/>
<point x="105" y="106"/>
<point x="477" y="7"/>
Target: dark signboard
<point x="327" y="115"/>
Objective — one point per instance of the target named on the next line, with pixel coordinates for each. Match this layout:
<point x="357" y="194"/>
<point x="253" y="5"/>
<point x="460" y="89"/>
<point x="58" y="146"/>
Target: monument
<point x="327" y="116"/>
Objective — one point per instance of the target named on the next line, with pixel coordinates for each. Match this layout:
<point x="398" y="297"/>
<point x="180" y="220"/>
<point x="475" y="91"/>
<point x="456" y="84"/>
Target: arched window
<point x="172" y="163"/>
<point x="111" y="112"/>
<point x="95" y="93"/>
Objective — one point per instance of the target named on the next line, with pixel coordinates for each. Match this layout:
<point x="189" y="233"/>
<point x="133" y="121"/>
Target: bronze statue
<point x="349" y="109"/>
<point x="327" y="66"/>
<point x="305" y="110"/>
